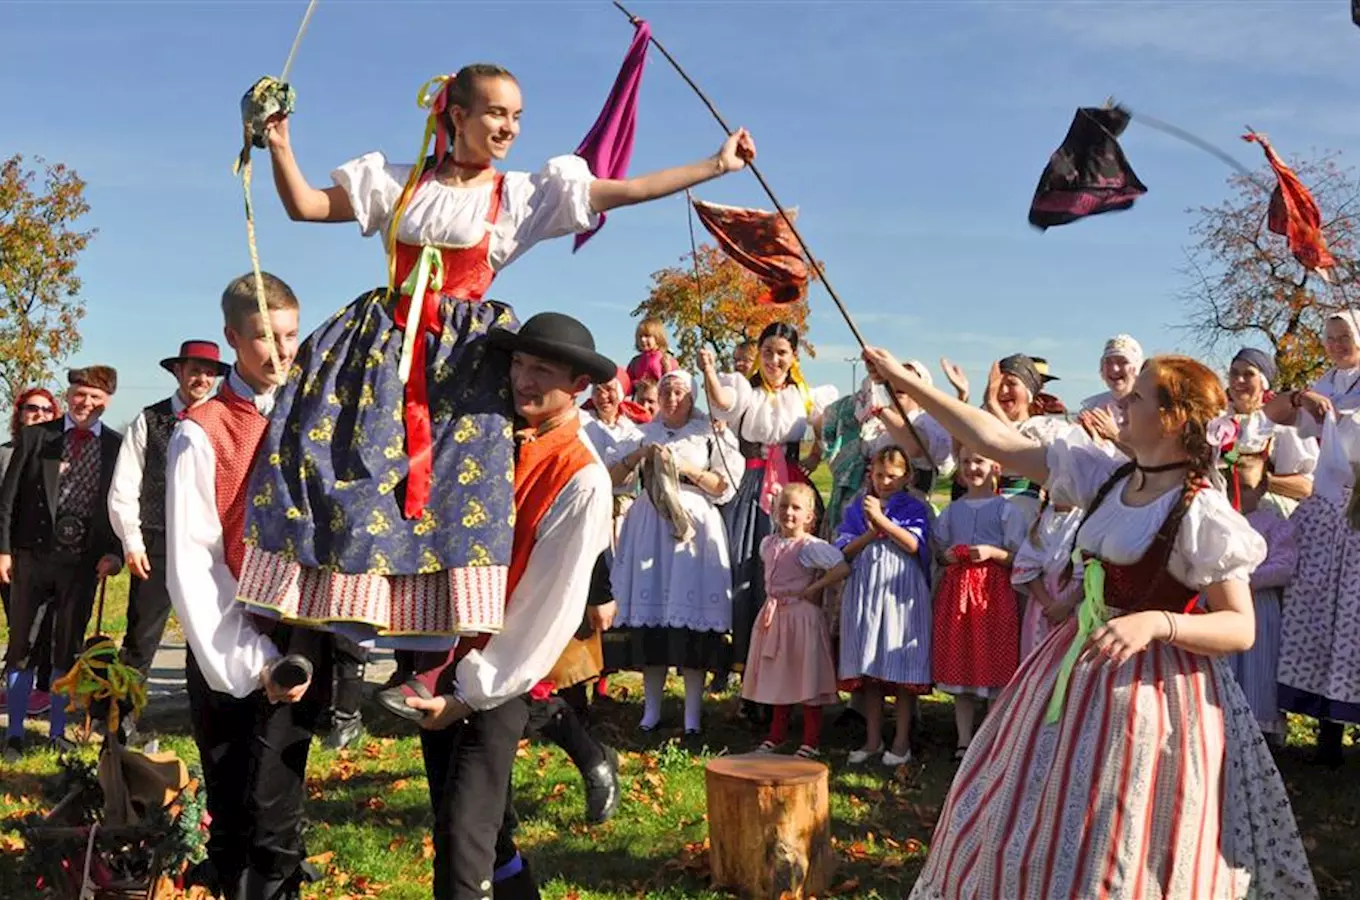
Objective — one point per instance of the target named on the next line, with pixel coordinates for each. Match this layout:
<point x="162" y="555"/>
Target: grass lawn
<point x="369" y="815"/>
<point x="370" y="819"/>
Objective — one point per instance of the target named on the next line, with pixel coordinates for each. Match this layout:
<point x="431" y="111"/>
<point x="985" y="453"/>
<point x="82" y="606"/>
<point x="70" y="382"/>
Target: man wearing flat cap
<point x="563" y="510"/>
<point x="56" y="541"/>
<point x="137" y="497"/>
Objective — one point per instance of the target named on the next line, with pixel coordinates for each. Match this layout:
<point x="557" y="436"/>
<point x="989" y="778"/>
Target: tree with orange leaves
<point x="40" y="302"/>
<point x="715" y="307"/>
<point x="1246" y="287"/>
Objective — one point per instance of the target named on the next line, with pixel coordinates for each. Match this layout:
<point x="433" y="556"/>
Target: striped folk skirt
<point x="1154" y="783"/>
<point x="886" y="624"/>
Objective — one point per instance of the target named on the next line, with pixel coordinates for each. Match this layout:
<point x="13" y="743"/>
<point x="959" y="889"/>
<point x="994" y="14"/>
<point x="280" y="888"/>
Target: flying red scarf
<point x="762" y="243"/>
<point x="1294" y="213"/>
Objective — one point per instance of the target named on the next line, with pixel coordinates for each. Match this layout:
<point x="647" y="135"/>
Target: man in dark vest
<point x="137" y="498"/>
<point x="55" y="538"/>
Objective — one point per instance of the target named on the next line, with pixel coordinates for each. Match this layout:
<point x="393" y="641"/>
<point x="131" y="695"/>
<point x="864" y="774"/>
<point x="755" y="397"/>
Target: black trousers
<point x="148" y="609"/>
<point x="51" y="594"/>
<point x="468" y="766"/>
<point x="254" y="759"/>
<point x="560" y="719"/>
<point x="42" y="644"/>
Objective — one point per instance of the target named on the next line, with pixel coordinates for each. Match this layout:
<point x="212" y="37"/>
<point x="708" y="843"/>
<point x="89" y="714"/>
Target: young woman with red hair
<point x="1123" y="760"/>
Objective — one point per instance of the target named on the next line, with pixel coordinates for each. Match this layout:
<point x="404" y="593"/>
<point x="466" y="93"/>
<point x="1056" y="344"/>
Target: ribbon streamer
<point x="807" y="252"/>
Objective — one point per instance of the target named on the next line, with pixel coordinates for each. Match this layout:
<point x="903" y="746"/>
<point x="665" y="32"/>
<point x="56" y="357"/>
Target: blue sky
<point x="910" y="135"/>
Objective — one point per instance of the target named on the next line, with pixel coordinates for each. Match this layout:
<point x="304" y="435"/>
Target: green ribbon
<point x="417" y="282"/>
<point x="1091" y="614"/>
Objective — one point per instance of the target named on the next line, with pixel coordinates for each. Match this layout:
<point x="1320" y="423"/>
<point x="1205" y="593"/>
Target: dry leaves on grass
<point x="341" y="885"/>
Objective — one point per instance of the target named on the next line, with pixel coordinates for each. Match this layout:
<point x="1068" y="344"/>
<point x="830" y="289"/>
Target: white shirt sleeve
<point x="229" y="651"/>
<point x="549" y="203"/>
<point x="374" y="186"/>
<point x="1076" y="470"/>
<point x="1215" y="543"/>
<point x="125" y="494"/>
<point x="549" y="602"/>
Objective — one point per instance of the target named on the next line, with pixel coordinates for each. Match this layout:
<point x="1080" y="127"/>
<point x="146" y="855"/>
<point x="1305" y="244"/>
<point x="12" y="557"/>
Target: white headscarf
<point x="1351" y="318"/>
<point x="921" y="370"/>
<point x="1124" y="345"/>
<point x="680" y="375"/>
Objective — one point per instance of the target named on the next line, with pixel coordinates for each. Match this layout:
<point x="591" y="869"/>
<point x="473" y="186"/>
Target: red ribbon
<point x="419" y="439"/>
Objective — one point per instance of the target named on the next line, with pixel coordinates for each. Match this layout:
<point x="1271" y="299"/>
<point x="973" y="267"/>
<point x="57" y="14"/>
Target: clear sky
<point x="910" y="134"/>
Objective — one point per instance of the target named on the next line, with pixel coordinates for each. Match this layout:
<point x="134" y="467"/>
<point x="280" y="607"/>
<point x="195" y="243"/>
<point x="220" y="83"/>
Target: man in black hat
<point x="563" y="501"/>
<point x="137" y="498"/>
<point x="55" y="538"/>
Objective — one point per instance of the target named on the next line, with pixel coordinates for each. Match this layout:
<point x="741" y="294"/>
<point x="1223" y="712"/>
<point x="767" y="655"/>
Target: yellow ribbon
<point x="96" y="675"/>
<point x="415" y="286"/>
<point x="425" y="97"/>
<point x="1091" y="614"/>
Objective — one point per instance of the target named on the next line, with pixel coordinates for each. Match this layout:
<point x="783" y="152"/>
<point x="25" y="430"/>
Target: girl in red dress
<point x="977" y="624"/>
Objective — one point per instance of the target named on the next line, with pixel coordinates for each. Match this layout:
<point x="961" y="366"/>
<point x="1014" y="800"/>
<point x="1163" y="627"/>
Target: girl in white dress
<point x="345" y="527"/>
<point x="674" y="597"/>
<point x="1123" y="761"/>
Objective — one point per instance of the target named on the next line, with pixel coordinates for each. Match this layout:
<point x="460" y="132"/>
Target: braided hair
<point x="1189" y="395"/>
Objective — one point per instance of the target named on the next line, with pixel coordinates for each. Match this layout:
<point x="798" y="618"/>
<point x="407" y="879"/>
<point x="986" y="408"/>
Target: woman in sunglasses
<point x="32" y="407"/>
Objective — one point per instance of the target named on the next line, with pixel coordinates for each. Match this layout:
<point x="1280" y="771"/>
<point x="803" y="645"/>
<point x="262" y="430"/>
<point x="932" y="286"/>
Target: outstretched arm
<point x="303" y="202"/>
<point x="607" y="194"/>
<point x="975" y="428"/>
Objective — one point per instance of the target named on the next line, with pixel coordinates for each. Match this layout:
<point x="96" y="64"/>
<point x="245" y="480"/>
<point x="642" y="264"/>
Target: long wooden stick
<point x="802" y="244"/>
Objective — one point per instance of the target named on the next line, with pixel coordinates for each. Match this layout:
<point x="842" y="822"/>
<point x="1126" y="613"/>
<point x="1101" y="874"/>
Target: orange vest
<point x="543" y="466"/>
<point x="235" y="428"/>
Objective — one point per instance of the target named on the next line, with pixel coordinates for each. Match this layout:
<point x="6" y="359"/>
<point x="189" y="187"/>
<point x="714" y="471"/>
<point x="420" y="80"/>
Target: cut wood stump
<point x="769" y="826"/>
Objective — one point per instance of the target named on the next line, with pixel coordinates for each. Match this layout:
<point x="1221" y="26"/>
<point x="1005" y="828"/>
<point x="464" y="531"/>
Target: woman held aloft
<point x="1292" y="458"/>
<point x="770" y="412"/>
<point x="1123" y="760"/>
<point x="344" y="527"/>
<point x="674" y="597"/>
<point x="1320" y="631"/>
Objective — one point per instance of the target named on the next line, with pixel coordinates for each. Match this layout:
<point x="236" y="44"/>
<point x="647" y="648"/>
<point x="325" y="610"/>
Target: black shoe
<point x="14" y="749"/>
<point x="346" y="728"/>
<point x="291" y="671"/>
<point x="602" y="789"/>
<point x="719" y="684"/>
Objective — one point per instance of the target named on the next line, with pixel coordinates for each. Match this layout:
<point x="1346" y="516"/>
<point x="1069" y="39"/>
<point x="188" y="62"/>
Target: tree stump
<point x="769" y="826"/>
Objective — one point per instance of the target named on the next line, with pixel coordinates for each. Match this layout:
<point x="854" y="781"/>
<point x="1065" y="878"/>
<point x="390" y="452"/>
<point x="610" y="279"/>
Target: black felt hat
<point x="558" y="337"/>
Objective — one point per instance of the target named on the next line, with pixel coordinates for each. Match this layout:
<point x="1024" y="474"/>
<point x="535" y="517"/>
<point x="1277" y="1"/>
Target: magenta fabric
<point x="609" y="145"/>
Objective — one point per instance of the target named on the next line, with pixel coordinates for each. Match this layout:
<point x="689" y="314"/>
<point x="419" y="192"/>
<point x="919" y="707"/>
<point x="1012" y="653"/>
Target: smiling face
<point x="196" y="379"/>
<point x="1246" y="387"/>
<point x="251" y="343"/>
<point x="776" y="358"/>
<point x="543" y="388"/>
<point x="36" y="409"/>
<point x="675" y="401"/>
<point x="607" y="397"/>
<point x="1116" y="370"/>
<point x="85" y="404"/>
<point x="1339" y="341"/>
<point x="1014" y="398"/>
<point x="646" y="396"/>
<point x="489" y="123"/>
<point x="794" y="512"/>
<point x="976" y="471"/>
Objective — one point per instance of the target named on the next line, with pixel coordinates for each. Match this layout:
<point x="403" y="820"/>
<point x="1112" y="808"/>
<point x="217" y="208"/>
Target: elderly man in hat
<point x="56" y="541"/>
<point x="137" y="497"/>
<point x="562" y="525"/>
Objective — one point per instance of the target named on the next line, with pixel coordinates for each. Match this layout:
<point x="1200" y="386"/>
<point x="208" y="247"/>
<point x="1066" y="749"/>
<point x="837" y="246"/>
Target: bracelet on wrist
<point x="1171" y="628"/>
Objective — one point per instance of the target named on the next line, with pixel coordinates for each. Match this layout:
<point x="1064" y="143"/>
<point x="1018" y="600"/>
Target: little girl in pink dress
<point x="790" y="662"/>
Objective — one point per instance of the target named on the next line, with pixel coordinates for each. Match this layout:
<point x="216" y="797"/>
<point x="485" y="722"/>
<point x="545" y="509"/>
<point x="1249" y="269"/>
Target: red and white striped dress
<point x="1155" y="782"/>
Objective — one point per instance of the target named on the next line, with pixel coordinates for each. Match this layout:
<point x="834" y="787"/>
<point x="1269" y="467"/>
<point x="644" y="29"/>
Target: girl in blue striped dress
<point x="1256" y="669"/>
<point x="885" y="613"/>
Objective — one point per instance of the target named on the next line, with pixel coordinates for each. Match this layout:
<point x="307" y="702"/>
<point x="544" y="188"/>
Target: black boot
<point x="1329" y="743"/>
<point x="602" y="789"/>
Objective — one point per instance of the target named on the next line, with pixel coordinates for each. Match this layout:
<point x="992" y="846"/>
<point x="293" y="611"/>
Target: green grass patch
<point x="370" y="819"/>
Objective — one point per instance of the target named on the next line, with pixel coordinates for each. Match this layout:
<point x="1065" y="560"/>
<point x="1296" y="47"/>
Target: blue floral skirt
<point x="327" y="542"/>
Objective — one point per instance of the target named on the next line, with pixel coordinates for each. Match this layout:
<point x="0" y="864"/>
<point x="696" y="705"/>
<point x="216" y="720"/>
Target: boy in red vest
<point x="563" y="506"/>
<point x="252" y="730"/>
